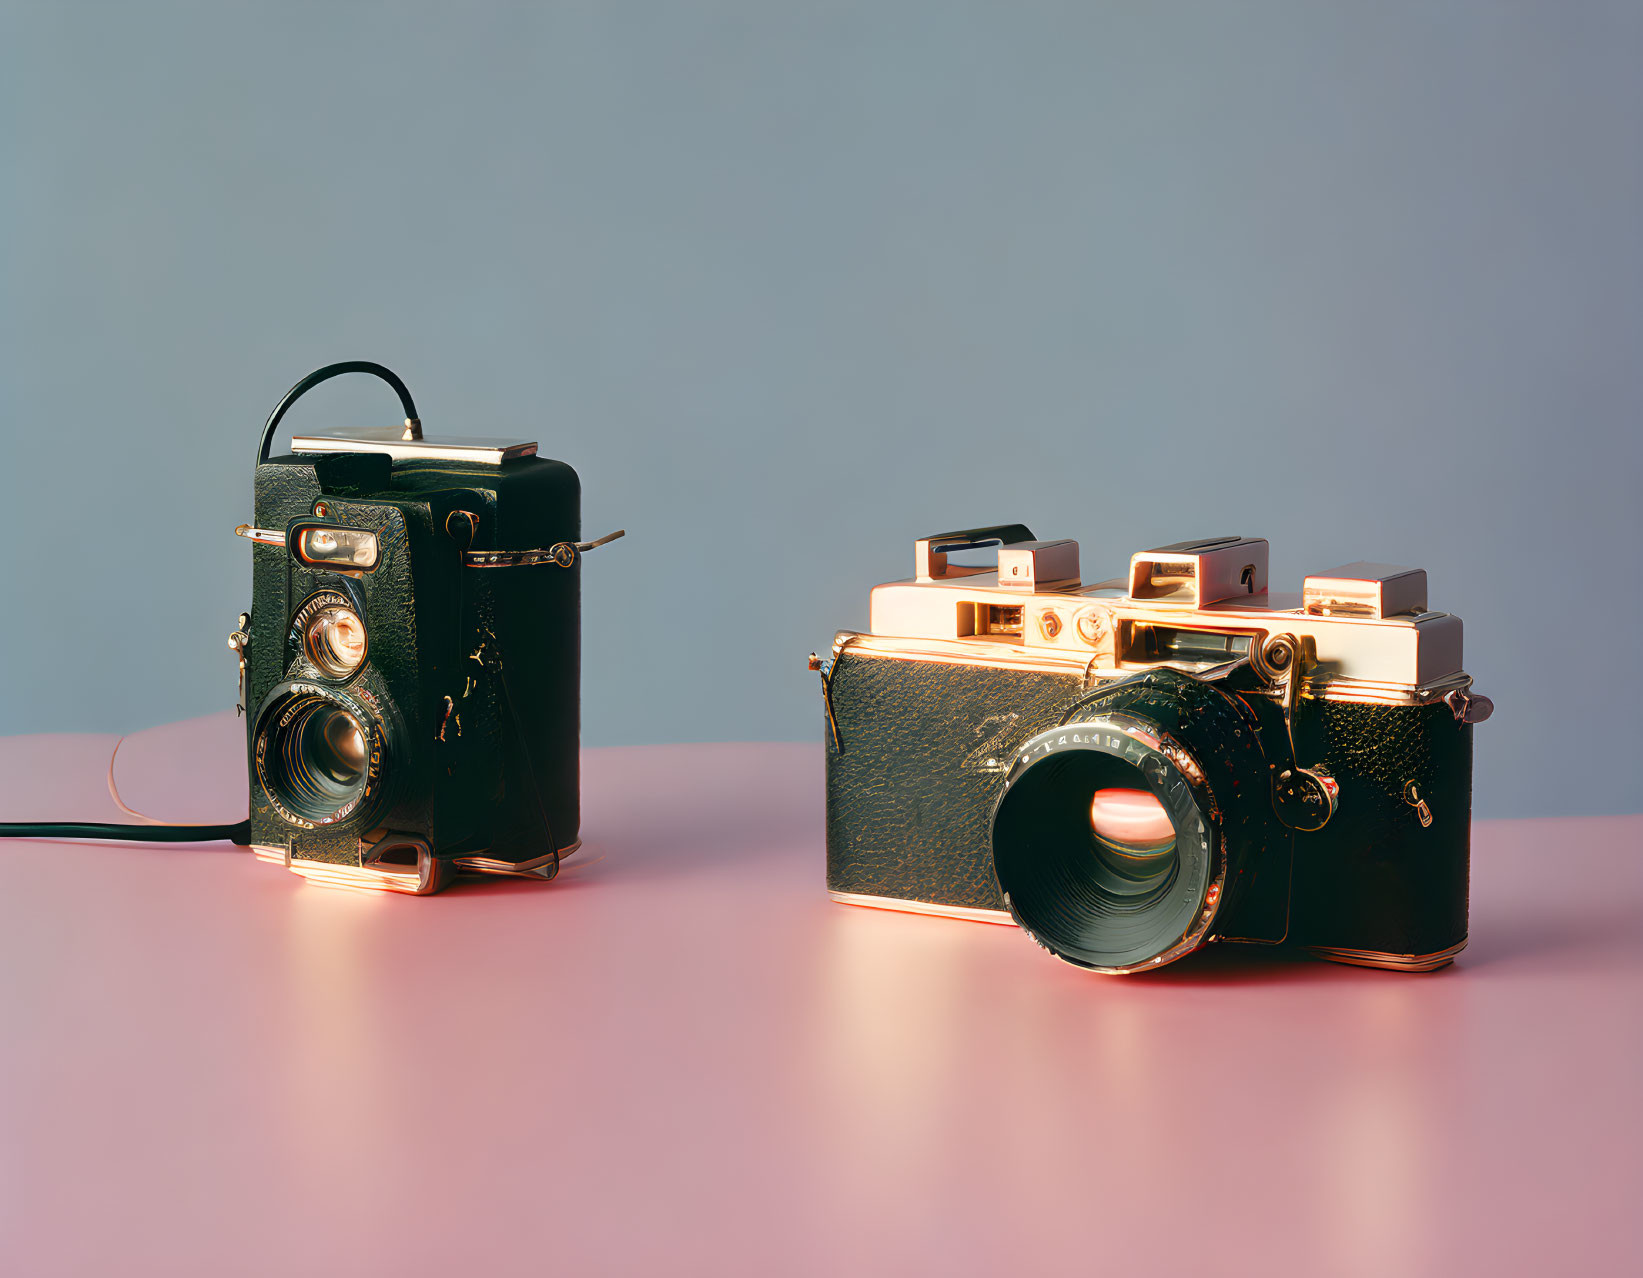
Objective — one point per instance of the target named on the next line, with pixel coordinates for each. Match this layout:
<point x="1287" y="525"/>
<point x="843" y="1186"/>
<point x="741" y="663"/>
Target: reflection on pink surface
<point x="681" y="1058"/>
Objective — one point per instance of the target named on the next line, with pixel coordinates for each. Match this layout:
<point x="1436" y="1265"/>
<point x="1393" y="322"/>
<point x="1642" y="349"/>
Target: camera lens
<point x="335" y="641"/>
<point x="1124" y="832"/>
<point x="1102" y="849"/>
<point x="314" y="757"/>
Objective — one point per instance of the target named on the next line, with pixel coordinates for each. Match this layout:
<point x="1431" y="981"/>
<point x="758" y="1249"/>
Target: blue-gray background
<point x="792" y="284"/>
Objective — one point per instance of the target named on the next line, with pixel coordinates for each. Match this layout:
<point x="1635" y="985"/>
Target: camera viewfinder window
<point x="347" y="549"/>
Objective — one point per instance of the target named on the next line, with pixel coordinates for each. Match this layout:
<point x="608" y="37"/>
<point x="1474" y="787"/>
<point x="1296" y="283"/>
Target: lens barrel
<point x="1089" y="890"/>
<point x="317" y="754"/>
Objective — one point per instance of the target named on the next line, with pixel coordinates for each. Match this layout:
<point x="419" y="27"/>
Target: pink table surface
<point x="682" y="1058"/>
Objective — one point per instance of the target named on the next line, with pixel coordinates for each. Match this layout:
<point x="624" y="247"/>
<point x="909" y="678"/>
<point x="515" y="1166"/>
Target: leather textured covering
<point x="926" y="745"/>
<point x="1376" y="878"/>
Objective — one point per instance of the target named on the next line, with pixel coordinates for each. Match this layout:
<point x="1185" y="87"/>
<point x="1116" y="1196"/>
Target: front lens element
<point x="1134" y="841"/>
<point x="323" y="753"/>
<point x="338" y="747"/>
<point x="1131" y="819"/>
<point x="315" y="758"/>
<point x="335" y="641"/>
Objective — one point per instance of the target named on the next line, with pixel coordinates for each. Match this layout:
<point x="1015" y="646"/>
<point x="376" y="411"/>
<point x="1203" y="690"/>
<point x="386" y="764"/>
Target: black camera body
<point x="1133" y="769"/>
<point x="410" y="679"/>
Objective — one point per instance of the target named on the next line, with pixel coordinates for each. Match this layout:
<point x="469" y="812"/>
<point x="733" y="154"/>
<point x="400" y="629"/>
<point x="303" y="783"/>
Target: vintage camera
<point x="410" y="664"/>
<point x="1133" y="769"/>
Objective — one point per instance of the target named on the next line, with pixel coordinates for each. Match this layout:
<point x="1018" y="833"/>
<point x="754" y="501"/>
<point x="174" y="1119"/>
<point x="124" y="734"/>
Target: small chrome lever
<point x="1304" y="798"/>
<point x="238" y="641"/>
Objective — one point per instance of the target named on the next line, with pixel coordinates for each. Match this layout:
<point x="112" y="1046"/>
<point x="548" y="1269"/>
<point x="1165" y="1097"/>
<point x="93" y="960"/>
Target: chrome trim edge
<point x="965" y="912"/>
<point x="401" y="445"/>
<point x="429" y="876"/>
<point x="531" y="869"/>
<point x="1388" y="962"/>
<point x="961" y="652"/>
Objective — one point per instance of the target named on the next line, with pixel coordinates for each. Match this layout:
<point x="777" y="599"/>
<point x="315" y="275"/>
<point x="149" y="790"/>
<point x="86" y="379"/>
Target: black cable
<point x="239" y="832"/>
<point x="324" y="375"/>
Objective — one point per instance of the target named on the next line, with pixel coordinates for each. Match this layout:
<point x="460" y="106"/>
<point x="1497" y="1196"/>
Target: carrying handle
<point x="930" y="553"/>
<point x="413" y="424"/>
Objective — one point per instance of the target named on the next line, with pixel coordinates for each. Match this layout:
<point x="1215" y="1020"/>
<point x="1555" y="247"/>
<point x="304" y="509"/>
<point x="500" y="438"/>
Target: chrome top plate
<point x="391" y="440"/>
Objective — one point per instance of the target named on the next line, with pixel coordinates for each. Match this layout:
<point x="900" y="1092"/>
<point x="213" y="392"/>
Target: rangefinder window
<point x="1176" y="643"/>
<point x="335" y="547"/>
<point x="1000" y="619"/>
<point x="1167" y="579"/>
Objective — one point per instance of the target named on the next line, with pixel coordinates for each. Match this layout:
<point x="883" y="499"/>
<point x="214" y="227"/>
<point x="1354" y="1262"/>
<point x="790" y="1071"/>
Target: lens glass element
<point x="1134" y="841"/>
<point x="316" y="761"/>
<point x="344" y="548"/>
<point x="335" y="641"/>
